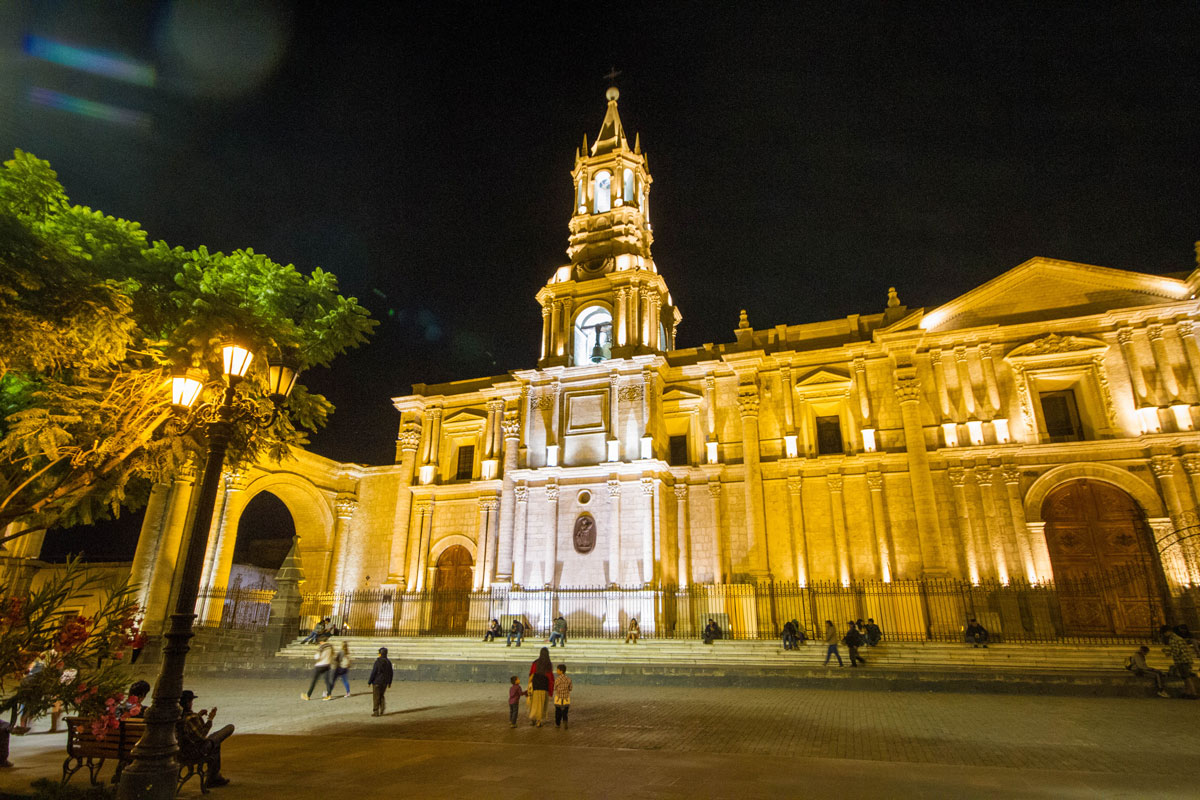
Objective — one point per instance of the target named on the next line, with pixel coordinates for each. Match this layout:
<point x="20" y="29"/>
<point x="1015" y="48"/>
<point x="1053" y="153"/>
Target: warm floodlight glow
<point x="930" y="321"/>
<point x="1183" y="416"/>
<point x="236" y="360"/>
<point x="551" y="455"/>
<point x="647" y="447"/>
<point x="614" y="450"/>
<point x="427" y="473"/>
<point x="185" y="388"/>
<point x="710" y="450"/>
<point x="975" y="430"/>
<point x="789" y="443"/>
<point x="1149" y="418"/>
<point x="950" y="432"/>
<point x="489" y="467"/>
<point x="868" y="436"/>
<point x="1000" y="425"/>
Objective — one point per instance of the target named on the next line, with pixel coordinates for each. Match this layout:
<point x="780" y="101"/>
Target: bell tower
<point x="609" y="301"/>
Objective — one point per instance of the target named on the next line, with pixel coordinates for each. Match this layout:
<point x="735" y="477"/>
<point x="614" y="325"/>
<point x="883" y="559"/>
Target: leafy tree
<point x="93" y="319"/>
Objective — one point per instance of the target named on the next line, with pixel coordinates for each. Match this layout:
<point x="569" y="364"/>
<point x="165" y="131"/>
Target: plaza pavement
<point x="453" y="740"/>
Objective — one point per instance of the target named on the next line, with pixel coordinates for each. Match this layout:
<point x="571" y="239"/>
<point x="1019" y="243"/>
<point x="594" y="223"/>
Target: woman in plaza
<point x="541" y="684"/>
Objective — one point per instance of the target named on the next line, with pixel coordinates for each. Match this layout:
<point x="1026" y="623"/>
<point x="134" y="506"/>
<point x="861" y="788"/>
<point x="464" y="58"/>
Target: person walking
<point x="541" y="685"/>
<point x="562" y="697"/>
<point x="831" y="643"/>
<point x="559" y="631"/>
<point x="514" y="699"/>
<point x="380" y="680"/>
<point x="342" y="668"/>
<point x="853" y="640"/>
<point x="1181" y="653"/>
<point x="323" y="663"/>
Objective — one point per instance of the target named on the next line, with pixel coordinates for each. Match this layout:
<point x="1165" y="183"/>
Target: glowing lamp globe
<point x="236" y="360"/>
<point x="185" y="388"/>
<point x="281" y="377"/>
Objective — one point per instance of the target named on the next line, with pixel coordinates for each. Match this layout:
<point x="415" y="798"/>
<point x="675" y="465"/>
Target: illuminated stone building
<point x="1040" y="426"/>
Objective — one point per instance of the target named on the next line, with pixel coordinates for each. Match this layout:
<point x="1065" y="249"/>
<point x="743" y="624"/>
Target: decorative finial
<point x="743" y="320"/>
<point x="893" y="298"/>
<point x="613" y="93"/>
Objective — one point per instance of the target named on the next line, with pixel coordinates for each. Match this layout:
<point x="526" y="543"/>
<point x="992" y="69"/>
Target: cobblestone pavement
<point x="661" y="742"/>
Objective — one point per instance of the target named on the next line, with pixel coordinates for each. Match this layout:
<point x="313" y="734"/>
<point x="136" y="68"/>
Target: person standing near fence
<point x="323" y="663"/>
<point x="541" y="685"/>
<point x="380" y="680"/>
<point x="831" y="643"/>
<point x="853" y="640"/>
<point x="342" y="669"/>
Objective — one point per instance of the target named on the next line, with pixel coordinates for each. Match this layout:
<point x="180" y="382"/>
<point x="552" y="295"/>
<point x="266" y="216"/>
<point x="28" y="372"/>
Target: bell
<point x="597" y="354"/>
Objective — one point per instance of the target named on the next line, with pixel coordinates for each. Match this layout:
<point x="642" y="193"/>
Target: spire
<point x="637" y="144"/>
<point x="612" y="135"/>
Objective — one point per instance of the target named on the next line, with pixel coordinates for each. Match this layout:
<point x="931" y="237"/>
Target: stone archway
<point x="452" y="578"/>
<point x="1107" y="574"/>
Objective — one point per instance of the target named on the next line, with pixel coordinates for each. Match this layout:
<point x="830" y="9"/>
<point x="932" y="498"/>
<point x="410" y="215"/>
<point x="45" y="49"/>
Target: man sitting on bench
<point x="194" y="731"/>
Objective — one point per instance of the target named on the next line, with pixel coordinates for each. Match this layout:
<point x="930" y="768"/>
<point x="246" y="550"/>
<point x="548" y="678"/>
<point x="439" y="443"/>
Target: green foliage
<point x="93" y="317"/>
<point x="78" y="657"/>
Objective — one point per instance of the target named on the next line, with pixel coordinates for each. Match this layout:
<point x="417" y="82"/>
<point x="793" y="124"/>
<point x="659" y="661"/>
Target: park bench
<point x="86" y="749"/>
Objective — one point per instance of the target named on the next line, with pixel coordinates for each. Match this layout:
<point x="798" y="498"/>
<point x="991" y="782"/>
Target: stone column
<point x="424" y="534"/>
<point x="1136" y="378"/>
<point x="683" y="567"/>
<point x="520" y="574"/>
<point x="545" y="331"/>
<point x="492" y="438"/>
<point x="488" y="541"/>
<point x="939" y="382"/>
<point x="752" y="484"/>
<point x="149" y="541"/>
<point x="556" y="328"/>
<point x="929" y="532"/>
<point x="837" y="513"/>
<point x="620" y="329"/>
<point x="1162" y="363"/>
<point x="344" y="507"/>
<point x="635" y="304"/>
<point x="1187" y="333"/>
<point x="1016" y="509"/>
<point x="655" y="312"/>
<point x="222" y="540"/>
<point x="647" y="319"/>
<point x="614" y="411"/>
<point x="648" y="532"/>
<point x="409" y="439"/>
<point x="710" y="409"/>
<point x="614" y="536"/>
<point x="504" y="551"/>
<point x="647" y="398"/>
<point x="795" y="487"/>
<point x="718" y="550"/>
<point x="879" y="525"/>
<point x="1164" y="467"/>
<point x="554" y="434"/>
<point x="551" y="536"/>
<point x="789" y="409"/>
<point x="989" y="378"/>
<point x="567" y="305"/>
<point x="964" y="382"/>
<point x="962" y="510"/>
<point x="166" y="557"/>
<point x="983" y="477"/>
<point x="860" y="386"/>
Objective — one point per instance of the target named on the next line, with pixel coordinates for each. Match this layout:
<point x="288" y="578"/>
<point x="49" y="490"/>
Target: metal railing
<point x="221" y="607"/>
<point x="1117" y="606"/>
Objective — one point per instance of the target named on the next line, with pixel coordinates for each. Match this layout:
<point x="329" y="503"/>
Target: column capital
<point x="935" y="357"/>
<point x="489" y="503"/>
<point x="1185" y="327"/>
<point x="1163" y="466"/>
<point x="546" y="309"/>
<point x="495" y="404"/>
<point x="681" y="491"/>
<point x="795" y="483"/>
<point x="424" y="506"/>
<point x="511" y="425"/>
<point x="1191" y="463"/>
<point x="875" y="481"/>
<point x="235" y="480"/>
<point x="908" y="390"/>
<point x="1155" y="332"/>
<point x="521" y="493"/>
<point x="1011" y="475"/>
<point x="345" y="506"/>
<point x="985" y="350"/>
<point x="835" y="481"/>
<point x="1125" y="335"/>
<point x="552" y="492"/>
<point x="410" y="436"/>
<point x="983" y="476"/>
<point x="710" y="382"/>
<point x="747" y="400"/>
<point x="434" y="412"/>
<point x="956" y="476"/>
<point x="614" y="489"/>
<point x="647" y="486"/>
<point x="714" y="489"/>
<point x="960" y="353"/>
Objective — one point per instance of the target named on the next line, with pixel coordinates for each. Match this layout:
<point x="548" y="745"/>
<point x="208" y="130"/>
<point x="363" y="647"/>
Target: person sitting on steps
<point x="874" y="633"/>
<point x="712" y="632"/>
<point x="634" y="631"/>
<point x="1136" y="664"/>
<point x="317" y="632"/>
<point x="558" y="634"/>
<point x="492" y="632"/>
<point x="976" y="634"/>
<point x="515" y="631"/>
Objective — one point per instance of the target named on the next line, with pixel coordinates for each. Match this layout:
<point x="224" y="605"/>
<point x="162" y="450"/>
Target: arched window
<point x="603" y="197"/>
<point x="581" y="196"/>
<point x="627" y="192"/>
<point x="593" y="335"/>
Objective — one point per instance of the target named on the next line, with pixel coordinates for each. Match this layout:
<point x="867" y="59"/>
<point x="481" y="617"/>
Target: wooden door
<point x="452" y="591"/>
<point x="1108" y="578"/>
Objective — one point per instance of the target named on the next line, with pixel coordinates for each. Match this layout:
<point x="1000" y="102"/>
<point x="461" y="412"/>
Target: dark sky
<point x="805" y="156"/>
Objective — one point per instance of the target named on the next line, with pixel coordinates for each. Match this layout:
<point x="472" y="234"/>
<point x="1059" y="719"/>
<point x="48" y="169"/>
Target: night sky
<point x="805" y="156"/>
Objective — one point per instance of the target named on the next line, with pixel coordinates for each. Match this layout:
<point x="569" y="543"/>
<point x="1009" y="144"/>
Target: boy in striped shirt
<point x="562" y="697"/>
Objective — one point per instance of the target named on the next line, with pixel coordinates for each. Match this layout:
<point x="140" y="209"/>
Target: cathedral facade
<point x="1038" y="428"/>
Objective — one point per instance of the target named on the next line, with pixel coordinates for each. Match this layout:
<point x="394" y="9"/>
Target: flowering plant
<point x="51" y="654"/>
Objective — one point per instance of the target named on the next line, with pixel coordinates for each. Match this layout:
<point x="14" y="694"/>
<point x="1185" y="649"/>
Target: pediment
<point x="823" y="378"/>
<point x="681" y="394"/>
<point x="465" y="416"/>
<point x="1046" y="289"/>
<point x="1054" y="346"/>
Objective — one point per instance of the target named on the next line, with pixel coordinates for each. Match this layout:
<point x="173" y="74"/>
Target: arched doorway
<point x="1107" y="575"/>
<point x="452" y="591"/>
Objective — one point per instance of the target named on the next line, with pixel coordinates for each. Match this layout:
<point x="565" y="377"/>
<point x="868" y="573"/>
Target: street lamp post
<point x="154" y="773"/>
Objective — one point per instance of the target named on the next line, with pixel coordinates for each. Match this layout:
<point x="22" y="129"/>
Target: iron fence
<point x="1117" y="606"/>
<point x="221" y="607"/>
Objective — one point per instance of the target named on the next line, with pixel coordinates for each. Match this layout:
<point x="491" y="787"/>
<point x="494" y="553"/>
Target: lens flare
<point x="97" y="62"/>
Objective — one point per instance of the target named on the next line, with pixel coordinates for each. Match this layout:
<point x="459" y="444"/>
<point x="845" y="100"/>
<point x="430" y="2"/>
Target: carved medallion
<point x="585" y="534"/>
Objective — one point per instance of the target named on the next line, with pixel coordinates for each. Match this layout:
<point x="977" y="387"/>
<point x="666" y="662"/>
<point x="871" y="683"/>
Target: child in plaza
<point x="562" y="697"/>
<point x="514" y="699"/>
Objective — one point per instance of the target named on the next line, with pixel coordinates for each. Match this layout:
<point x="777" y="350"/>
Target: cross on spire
<point x="613" y="74"/>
